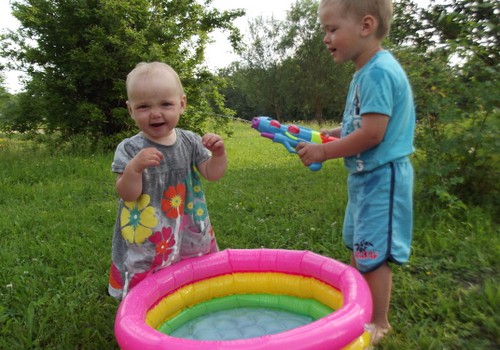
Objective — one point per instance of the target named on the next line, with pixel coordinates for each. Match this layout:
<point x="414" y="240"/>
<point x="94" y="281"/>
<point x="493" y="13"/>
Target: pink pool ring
<point x="343" y="328"/>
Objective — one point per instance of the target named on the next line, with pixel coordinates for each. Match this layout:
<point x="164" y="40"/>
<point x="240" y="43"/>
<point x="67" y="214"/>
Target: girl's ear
<point x="183" y="104"/>
<point x="369" y="25"/>
<point x="129" y="108"/>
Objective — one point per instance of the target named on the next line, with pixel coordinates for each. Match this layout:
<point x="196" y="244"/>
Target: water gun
<point x="289" y="135"/>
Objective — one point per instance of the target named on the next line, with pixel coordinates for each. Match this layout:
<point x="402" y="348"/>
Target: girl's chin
<point x="163" y="136"/>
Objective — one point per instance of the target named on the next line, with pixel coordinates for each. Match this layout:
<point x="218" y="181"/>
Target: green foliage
<point x="457" y="107"/>
<point x="450" y="53"/>
<point x="408" y="28"/>
<point x="285" y="71"/>
<point x="79" y="53"/>
<point x="260" y="79"/>
<point x="317" y="86"/>
<point x="468" y="28"/>
<point x="6" y="103"/>
<point x="58" y="209"/>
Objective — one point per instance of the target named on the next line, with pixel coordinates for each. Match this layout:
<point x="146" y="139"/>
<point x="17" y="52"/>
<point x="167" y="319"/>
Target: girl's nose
<point x="155" y="112"/>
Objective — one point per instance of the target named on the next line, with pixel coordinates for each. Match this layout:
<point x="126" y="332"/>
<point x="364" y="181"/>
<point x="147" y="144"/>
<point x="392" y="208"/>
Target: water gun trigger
<point x="288" y="147"/>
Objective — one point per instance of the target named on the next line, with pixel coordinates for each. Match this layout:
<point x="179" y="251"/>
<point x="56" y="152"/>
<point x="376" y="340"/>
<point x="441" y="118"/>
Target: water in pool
<point x="240" y="323"/>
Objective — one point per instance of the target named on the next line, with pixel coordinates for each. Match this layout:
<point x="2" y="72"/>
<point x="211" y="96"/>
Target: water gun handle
<point x="290" y="146"/>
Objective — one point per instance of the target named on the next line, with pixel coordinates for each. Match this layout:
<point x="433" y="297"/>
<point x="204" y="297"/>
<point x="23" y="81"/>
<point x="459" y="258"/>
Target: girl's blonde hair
<point x="150" y="68"/>
<point x="380" y="9"/>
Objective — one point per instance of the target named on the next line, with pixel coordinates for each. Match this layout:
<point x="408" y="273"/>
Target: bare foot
<point x="376" y="333"/>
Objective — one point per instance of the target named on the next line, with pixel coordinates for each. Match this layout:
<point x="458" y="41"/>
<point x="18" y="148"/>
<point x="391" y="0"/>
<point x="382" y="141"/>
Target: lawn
<point x="57" y="214"/>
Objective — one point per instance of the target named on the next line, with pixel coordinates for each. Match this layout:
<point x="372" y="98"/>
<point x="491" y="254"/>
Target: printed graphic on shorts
<point x="137" y="220"/>
<point x="364" y="250"/>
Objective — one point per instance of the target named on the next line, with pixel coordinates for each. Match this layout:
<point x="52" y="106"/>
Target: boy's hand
<point x="310" y="153"/>
<point x="214" y="143"/>
<point x="146" y="158"/>
<point x="325" y="132"/>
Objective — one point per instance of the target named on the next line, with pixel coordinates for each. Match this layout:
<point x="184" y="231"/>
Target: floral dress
<point x="169" y="221"/>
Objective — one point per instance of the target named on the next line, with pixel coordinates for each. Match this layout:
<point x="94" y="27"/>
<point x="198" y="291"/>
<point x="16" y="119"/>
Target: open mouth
<point x="156" y="125"/>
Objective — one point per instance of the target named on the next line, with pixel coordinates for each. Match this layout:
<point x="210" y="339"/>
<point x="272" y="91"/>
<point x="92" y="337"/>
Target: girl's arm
<point x="129" y="183"/>
<point x="215" y="167"/>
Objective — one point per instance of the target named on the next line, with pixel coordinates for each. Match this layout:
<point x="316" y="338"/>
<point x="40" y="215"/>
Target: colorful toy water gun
<point x="289" y="135"/>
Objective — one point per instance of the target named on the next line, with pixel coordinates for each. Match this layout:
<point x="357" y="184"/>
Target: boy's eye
<point x="328" y="29"/>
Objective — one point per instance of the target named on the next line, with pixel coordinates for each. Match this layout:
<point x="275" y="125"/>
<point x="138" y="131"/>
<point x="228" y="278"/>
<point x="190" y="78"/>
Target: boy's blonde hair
<point x="151" y="68"/>
<point x="380" y="9"/>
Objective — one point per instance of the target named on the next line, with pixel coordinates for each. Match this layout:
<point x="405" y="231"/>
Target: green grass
<point x="58" y="210"/>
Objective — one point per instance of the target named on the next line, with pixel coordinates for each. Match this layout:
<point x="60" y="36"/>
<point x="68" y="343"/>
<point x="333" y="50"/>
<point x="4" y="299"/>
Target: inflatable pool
<point x="248" y="299"/>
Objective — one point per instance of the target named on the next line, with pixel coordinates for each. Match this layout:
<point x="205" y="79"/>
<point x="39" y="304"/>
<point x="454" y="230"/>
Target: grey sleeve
<point x="123" y="154"/>
<point x="199" y="153"/>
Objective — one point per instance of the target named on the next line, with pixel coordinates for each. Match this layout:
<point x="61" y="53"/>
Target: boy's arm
<point x="215" y="167"/>
<point x="129" y="183"/>
<point x="370" y="134"/>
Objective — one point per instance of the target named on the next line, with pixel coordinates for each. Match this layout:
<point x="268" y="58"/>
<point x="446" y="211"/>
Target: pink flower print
<point x="164" y="242"/>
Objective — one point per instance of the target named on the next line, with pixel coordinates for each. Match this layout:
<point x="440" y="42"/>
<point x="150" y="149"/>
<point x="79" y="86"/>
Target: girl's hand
<point x="147" y="157"/>
<point x="214" y="143"/>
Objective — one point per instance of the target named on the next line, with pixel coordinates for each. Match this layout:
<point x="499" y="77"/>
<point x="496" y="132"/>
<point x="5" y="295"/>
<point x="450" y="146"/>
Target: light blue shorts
<point x="379" y="216"/>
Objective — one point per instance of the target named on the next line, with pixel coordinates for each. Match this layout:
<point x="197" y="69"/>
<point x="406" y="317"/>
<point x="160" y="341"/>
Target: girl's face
<point x="342" y="33"/>
<point x="156" y="104"/>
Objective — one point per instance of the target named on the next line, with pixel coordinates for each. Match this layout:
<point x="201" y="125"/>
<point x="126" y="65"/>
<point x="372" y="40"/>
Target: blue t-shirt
<point x="381" y="87"/>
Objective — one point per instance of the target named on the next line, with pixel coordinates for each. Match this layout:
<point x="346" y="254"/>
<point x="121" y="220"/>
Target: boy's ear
<point x="369" y="25"/>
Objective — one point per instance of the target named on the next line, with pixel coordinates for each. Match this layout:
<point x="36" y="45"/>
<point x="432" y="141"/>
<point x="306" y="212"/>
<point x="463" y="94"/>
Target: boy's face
<point x="342" y="32"/>
<point x="156" y="104"/>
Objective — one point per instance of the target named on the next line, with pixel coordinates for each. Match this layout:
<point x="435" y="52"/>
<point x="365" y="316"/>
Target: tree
<point x="78" y="53"/>
<point x="469" y="28"/>
<point x="318" y="86"/>
<point x="448" y="60"/>
<point x="286" y="72"/>
<point x="4" y="97"/>
<point x="262" y="61"/>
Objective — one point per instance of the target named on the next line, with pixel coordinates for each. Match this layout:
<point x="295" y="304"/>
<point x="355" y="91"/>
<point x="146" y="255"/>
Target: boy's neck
<point x="367" y="54"/>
